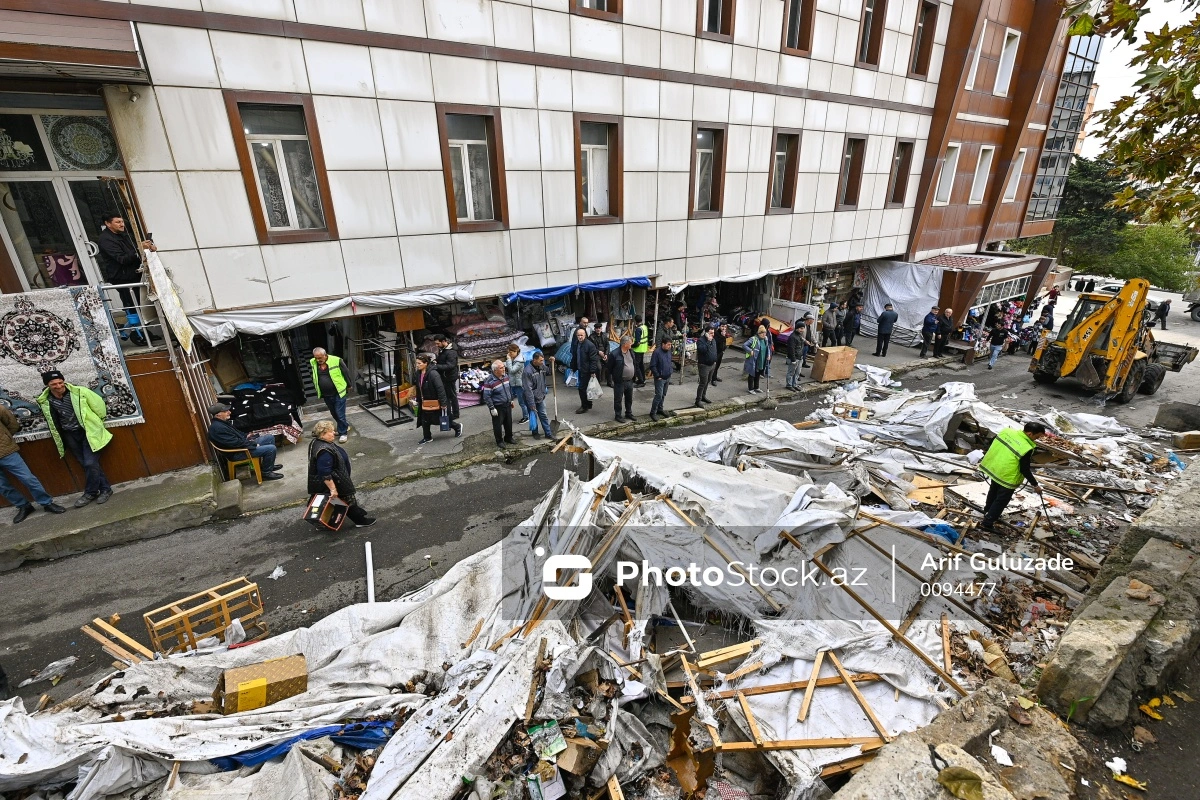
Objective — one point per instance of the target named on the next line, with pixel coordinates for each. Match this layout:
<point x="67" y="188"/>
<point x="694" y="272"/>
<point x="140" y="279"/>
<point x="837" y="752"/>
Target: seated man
<point x="222" y="434"/>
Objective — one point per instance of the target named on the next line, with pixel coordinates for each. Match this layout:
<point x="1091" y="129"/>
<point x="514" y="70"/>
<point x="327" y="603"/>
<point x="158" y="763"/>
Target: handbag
<point x="444" y="423"/>
<point x="326" y="511"/>
<point x="431" y="405"/>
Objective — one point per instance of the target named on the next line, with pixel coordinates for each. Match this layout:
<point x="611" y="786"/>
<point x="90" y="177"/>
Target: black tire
<point x="1132" y="382"/>
<point x="1152" y="379"/>
<point x="1195" y="312"/>
<point x="1044" y="377"/>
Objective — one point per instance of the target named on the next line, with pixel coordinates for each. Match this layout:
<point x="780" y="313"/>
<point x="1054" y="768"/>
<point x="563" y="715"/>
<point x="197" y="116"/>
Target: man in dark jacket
<point x="600" y="340"/>
<point x="929" y="327"/>
<point x="120" y="262"/>
<point x="851" y="325"/>
<point x="722" y="339"/>
<point x="661" y="367"/>
<point x="498" y="397"/>
<point x="1164" y="308"/>
<point x="666" y="331"/>
<point x="447" y="367"/>
<point x="533" y="384"/>
<point x="885" y="325"/>
<point x="706" y="358"/>
<point x="622" y="367"/>
<point x="795" y="352"/>
<point x="586" y="361"/>
<point x="223" y="435"/>
<point x="944" y="328"/>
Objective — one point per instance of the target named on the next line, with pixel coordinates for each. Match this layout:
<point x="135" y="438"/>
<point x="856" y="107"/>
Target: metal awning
<point x="36" y="45"/>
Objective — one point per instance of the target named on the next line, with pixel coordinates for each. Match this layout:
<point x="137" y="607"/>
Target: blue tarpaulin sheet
<point x="559" y="291"/>
<point x="359" y="735"/>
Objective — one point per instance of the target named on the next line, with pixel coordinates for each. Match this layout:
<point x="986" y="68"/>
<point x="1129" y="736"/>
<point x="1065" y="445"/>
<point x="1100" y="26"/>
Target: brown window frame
<point x="616" y="169"/>
<point x="491" y="115"/>
<point x="899" y="178"/>
<point x="855" y="177"/>
<point x="249" y="178"/>
<point x="792" y="167"/>
<point x="808" y="18"/>
<point x="613" y="15"/>
<point x="875" y="45"/>
<point x="720" y="142"/>
<point x="728" y="14"/>
<point x="922" y="52"/>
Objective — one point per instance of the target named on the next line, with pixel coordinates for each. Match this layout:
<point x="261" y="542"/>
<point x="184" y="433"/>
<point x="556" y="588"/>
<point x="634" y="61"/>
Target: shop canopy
<point x="559" y="291"/>
<point x="223" y="326"/>
<point x="676" y="288"/>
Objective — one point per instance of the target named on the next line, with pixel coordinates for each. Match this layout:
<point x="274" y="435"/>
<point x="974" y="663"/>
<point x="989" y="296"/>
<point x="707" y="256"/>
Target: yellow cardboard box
<point x="257" y="685"/>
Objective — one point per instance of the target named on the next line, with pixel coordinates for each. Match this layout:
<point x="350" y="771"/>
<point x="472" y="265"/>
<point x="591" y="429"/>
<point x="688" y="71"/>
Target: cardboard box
<point x="580" y="756"/>
<point x="263" y="684"/>
<point x="833" y="363"/>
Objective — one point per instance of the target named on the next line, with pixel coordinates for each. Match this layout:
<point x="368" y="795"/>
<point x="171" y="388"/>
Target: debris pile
<point x="758" y="612"/>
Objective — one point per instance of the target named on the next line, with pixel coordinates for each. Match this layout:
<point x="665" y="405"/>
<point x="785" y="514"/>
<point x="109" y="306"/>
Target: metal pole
<point x="370" y="574"/>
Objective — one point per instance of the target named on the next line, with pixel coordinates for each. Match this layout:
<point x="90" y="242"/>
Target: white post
<point x="370" y="574"/>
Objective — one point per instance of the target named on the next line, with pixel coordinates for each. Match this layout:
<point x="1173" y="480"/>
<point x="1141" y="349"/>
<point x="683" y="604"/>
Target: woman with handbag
<point x="432" y="405"/>
<point x="329" y="472"/>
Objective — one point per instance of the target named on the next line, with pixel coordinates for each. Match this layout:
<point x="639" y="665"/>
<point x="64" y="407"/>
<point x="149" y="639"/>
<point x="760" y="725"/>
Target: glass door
<point x="39" y="234"/>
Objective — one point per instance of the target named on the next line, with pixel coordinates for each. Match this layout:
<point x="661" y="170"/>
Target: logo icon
<point x="561" y="563"/>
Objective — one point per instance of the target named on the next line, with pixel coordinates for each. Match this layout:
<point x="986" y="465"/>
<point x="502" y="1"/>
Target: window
<point x="1014" y="178"/>
<point x="870" y="35"/>
<point x="781" y="182"/>
<point x="945" y="184"/>
<point x="715" y="19"/>
<point x="601" y="9"/>
<point x="850" y="180"/>
<point x="708" y="170"/>
<point x="975" y="58"/>
<point x="472" y="165"/>
<point x="598" y="168"/>
<point x="279" y="152"/>
<point x="1008" y="61"/>
<point x="901" y="168"/>
<point x="923" y="35"/>
<point x="983" y="170"/>
<point x="798" y="26"/>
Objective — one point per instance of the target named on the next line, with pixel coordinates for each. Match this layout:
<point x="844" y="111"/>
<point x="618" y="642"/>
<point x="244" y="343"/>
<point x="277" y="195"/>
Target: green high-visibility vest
<point x="337" y="373"/>
<point x="1003" y="460"/>
<point x="643" y="345"/>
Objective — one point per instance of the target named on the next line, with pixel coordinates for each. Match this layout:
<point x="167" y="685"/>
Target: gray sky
<point x="1115" y="77"/>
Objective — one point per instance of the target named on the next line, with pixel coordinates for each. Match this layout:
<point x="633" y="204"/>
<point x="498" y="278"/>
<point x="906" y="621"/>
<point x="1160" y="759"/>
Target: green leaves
<point x="962" y="783"/>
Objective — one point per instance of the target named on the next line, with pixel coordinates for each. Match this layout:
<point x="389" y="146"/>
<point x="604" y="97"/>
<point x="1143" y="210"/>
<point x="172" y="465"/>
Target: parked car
<point x="1115" y="288"/>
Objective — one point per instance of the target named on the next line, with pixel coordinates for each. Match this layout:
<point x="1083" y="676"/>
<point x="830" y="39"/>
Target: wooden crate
<point x="178" y="626"/>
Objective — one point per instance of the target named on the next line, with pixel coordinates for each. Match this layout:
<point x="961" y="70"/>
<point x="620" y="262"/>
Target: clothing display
<point x="262" y="408"/>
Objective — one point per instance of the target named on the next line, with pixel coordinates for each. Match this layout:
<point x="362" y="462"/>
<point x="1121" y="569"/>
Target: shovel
<point x="554" y="423"/>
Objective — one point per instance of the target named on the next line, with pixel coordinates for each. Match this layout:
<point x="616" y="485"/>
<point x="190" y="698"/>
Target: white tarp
<point x="224" y="325"/>
<point x="912" y="289"/>
<point x="676" y="288"/>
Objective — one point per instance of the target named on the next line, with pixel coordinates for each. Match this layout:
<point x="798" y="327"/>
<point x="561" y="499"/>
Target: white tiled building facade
<point x="540" y="63"/>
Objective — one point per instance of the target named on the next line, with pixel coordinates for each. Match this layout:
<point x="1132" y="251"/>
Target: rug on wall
<point x="67" y="329"/>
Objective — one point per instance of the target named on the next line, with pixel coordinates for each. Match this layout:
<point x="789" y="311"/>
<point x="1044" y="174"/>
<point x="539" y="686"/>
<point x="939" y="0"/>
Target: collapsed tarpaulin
<point x="359" y="735"/>
<point x="559" y="291"/>
<point x="223" y="326"/>
<point x="676" y="288"/>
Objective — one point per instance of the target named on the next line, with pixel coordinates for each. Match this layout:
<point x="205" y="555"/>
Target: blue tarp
<point x="359" y="735"/>
<point x="559" y="291"/>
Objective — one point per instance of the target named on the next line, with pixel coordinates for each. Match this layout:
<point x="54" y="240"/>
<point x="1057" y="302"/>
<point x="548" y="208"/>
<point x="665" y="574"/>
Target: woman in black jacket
<point x="430" y="387"/>
<point x="329" y="472"/>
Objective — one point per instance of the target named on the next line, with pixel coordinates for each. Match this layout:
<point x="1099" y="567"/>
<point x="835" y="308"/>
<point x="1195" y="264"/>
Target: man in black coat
<point x="447" y="367"/>
<point x="722" y="339"/>
<point x="222" y="434"/>
<point x="120" y="262"/>
<point x="929" y="327"/>
<point x="706" y="357"/>
<point x="886" y="324"/>
<point x="945" y="327"/>
<point x="586" y="361"/>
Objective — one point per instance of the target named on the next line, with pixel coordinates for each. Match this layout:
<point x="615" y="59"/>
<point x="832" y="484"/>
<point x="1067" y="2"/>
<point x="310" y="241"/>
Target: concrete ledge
<point x="228" y="499"/>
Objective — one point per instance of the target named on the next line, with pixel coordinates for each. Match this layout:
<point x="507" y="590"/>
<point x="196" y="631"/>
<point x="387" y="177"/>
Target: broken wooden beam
<point x="706" y="660"/>
<point x="862" y="701"/>
<point x="813" y="678"/>
<point x="803" y="744"/>
<point x="777" y="688"/>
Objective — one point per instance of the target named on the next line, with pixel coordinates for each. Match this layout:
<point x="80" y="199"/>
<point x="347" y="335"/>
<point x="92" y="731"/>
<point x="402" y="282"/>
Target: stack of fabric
<point x="482" y="335"/>
<point x="264" y="409"/>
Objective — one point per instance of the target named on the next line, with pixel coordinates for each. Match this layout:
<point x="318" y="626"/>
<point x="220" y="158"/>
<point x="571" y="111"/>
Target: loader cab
<point x="1084" y="308"/>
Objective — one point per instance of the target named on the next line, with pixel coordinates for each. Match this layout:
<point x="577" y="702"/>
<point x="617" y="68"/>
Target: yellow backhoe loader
<point x="1107" y="345"/>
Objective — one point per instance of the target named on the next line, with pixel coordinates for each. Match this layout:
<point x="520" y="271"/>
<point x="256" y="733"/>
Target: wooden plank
<point x="614" y="789"/>
<point x="533" y="683"/>
<point x="862" y="701"/>
<point x="625" y="613"/>
<point x="744" y="671"/>
<point x="712" y="657"/>
<point x="561" y="443"/>
<point x="804" y="744"/>
<point x="111" y="647"/>
<point x="691" y="679"/>
<point x="846" y="765"/>
<point x="946" y="663"/>
<point x="129" y="643"/>
<point x="755" y="733"/>
<point x="679" y="511"/>
<point x="777" y="688"/>
<point x="808" y="423"/>
<point x="474" y="634"/>
<point x="811" y="687"/>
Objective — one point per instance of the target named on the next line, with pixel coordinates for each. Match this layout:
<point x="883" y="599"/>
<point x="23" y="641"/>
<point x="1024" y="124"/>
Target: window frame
<point x="899" y="174"/>
<point x="616" y="169"/>
<point x="943" y="163"/>
<point x="241" y="146"/>
<point x="974" y="70"/>
<point x="791" y="170"/>
<point x="728" y="15"/>
<point x="1014" y="179"/>
<point x="855" y="174"/>
<point x="1014" y="34"/>
<point x="922" y="50"/>
<point x="492" y="126"/>
<point x="720" y="140"/>
<point x="875" y="43"/>
<point x="808" y="18"/>
<point x="611" y="16"/>
<point x="987" y="175"/>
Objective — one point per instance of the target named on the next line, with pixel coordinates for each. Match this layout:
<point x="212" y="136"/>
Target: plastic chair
<point x="232" y="459"/>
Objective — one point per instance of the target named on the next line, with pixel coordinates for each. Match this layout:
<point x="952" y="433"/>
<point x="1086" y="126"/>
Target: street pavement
<point x="445" y="518"/>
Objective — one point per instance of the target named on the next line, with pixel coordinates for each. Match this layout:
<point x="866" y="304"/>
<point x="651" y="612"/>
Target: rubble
<point x="681" y="686"/>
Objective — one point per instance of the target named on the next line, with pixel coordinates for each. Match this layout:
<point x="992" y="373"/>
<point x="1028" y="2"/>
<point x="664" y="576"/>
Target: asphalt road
<point x="444" y="518"/>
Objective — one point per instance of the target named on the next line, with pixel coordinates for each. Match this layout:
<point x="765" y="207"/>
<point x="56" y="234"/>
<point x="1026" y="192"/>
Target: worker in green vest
<point x="329" y="376"/>
<point x="1007" y="463"/>
<point x="641" y="345"/>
